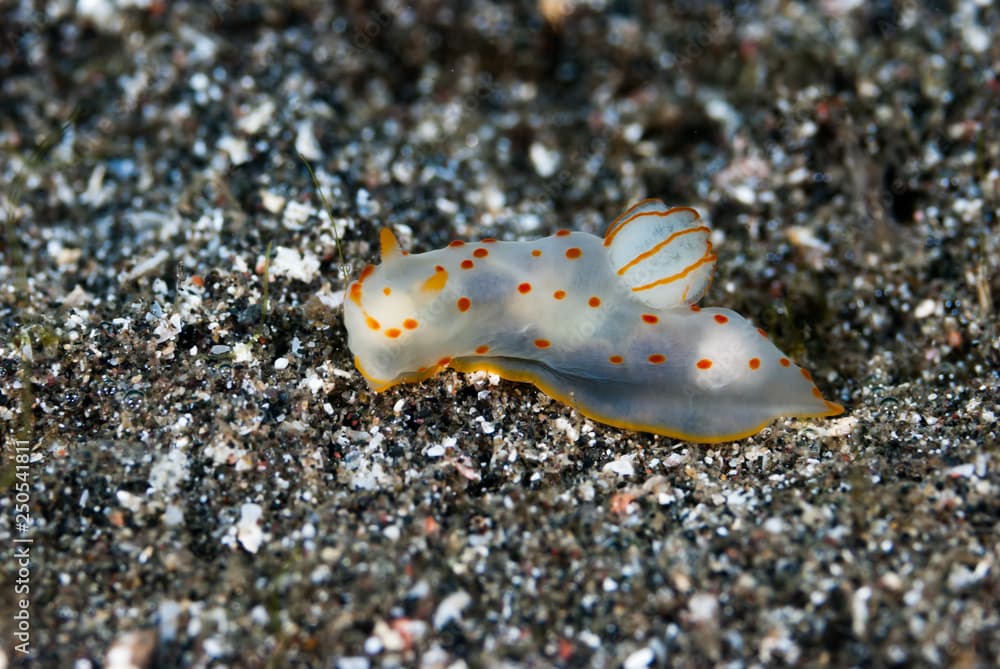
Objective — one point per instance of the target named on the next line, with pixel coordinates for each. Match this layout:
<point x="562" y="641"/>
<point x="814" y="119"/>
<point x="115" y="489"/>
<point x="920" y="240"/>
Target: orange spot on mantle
<point x="436" y="281"/>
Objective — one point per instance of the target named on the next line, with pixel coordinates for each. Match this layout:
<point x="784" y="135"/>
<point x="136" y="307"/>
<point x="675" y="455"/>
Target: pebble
<point x="544" y="159"/>
<point x="291" y="263"/>
<point x="451" y="607"/>
<point x="621" y="466"/>
<point x="248" y="530"/>
<point x="640" y="659"/>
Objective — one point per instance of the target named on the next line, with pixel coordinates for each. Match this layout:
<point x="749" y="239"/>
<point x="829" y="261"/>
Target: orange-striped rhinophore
<point x="608" y="326"/>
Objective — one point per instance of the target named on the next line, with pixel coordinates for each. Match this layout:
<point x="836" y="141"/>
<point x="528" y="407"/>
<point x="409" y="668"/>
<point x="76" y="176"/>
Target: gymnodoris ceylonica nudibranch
<point x="608" y="326"/>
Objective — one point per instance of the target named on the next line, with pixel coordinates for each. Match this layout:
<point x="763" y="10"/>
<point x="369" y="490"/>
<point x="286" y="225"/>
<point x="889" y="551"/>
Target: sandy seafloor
<point x="209" y="481"/>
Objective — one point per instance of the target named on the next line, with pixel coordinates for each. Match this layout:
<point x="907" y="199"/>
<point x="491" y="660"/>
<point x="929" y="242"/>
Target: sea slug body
<point x="608" y="326"/>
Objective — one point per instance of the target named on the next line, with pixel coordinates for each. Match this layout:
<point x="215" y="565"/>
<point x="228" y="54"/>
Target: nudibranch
<point x="608" y="326"/>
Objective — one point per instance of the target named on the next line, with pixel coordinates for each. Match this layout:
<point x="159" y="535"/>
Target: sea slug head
<point x="391" y="313"/>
